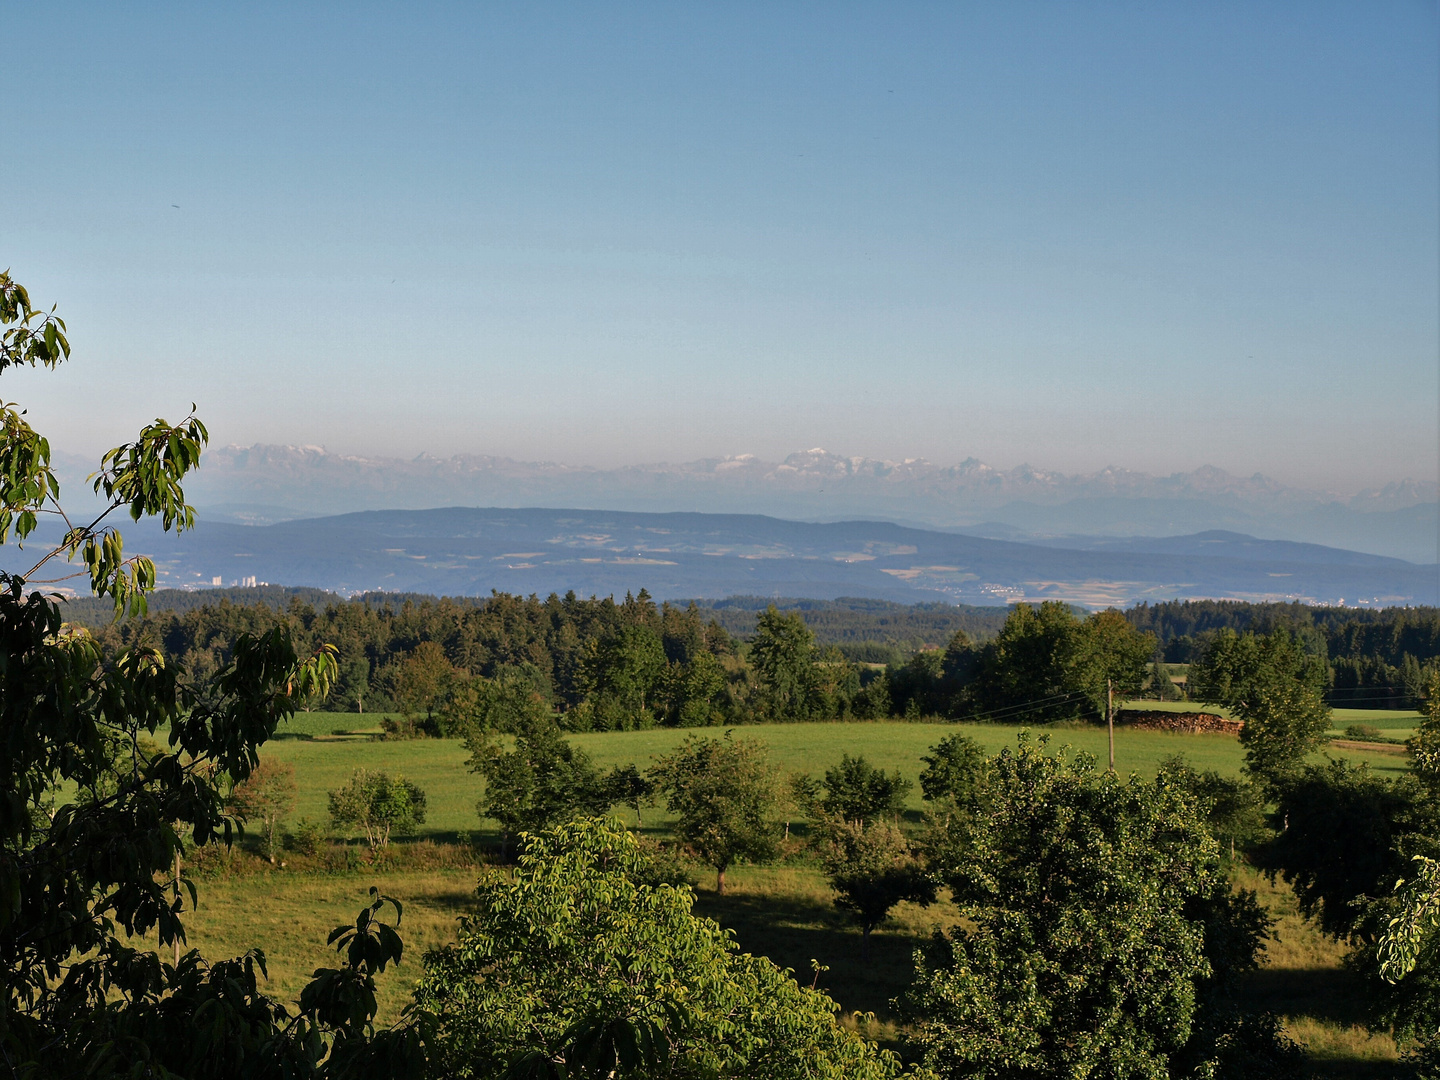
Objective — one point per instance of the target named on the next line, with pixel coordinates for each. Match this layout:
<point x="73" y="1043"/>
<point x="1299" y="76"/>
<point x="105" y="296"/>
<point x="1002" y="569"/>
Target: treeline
<point x="866" y="630"/>
<point x="1379" y="658"/>
<point x="602" y="664"/>
<point x="1375" y="658"/>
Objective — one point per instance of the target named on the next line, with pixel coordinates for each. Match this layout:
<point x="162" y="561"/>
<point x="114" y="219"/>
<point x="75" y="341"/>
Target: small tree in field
<point x="378" y="805"/>
<point x="540" y="781"/>
<point x="266" y="796"/>
<point x="872" y="868"/>
<point x="856" y="791"/>
<point x="628" y="786"/>
<point x="724" y="792"/>
<point x="421" y="681"/>
<point x="1099" y="933"/>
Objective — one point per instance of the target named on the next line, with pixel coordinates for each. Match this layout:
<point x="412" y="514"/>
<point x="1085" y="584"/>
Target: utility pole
<point x="1110" y="719"/>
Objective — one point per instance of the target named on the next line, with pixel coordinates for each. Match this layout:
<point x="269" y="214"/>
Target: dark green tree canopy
<point x="782" y="655"/>
<point x="856" y="791"/>
<point x="956" y="769"/>
<point x="1049" y="664"/>
<point x="1084" y="950"/>
<point x="541" y="781"/>
<point x="1275" y="683"/>
<point x="579" y="966"/>
<point x="873" y="867"/>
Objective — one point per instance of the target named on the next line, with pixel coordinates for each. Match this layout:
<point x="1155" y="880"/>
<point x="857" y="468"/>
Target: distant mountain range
<point x="264" y="484"/>
<point x="463" y="551"/>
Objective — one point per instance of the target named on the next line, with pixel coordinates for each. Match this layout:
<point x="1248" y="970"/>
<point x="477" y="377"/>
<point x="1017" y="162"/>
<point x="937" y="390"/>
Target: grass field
<point x="1302" y="978"/>
<point x="323" y="761"/>
<point x="784" y="910"/>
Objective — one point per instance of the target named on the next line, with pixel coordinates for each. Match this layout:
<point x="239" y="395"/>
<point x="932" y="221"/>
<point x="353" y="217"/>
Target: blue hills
<point x="470" y="551"/>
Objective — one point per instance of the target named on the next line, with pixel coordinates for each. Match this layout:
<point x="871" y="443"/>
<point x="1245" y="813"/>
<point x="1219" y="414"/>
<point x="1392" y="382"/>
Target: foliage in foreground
<point x="1099" y="933"/>
<point x="93" y="810"/>
<point x="578" y="964"/>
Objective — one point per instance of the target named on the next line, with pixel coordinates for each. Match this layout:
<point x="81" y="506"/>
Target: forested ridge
<point x="1380" y="657"/>
<point x="609" y="663"/>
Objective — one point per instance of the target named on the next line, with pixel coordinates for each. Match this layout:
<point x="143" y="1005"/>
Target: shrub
<point x="856" y="791"/>
<point x="378" y="805"/>
<point x="305" y="838"/>
<point x="578" y="966"/>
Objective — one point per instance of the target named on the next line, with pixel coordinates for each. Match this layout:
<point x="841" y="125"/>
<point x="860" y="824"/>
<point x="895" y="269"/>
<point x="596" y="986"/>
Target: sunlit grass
<point x="439" y="765"/>
<point x="288" y="916"/>
<point x="1302" y="979"/>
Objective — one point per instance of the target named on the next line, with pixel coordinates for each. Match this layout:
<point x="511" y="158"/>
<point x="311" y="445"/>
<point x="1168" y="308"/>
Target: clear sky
<point x="1154" y="235"/>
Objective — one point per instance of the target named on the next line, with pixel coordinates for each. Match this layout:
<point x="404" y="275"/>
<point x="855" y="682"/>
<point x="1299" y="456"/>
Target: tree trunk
<point x="177" y="900"/>
<point x="720" y="881"/>
<point x="865" y="944"/>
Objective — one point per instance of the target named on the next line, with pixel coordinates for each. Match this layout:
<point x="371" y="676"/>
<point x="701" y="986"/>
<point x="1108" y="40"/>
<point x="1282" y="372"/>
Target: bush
<point x="305" y="838"/>
<point x="576" y="960"/>
<point x="856" y="791"/>
<point x="378" y="805"/>
<point x="1362" y="731"/>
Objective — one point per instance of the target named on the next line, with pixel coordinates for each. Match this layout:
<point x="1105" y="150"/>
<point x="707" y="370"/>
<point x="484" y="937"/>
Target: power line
<point x="1024" y="708"/>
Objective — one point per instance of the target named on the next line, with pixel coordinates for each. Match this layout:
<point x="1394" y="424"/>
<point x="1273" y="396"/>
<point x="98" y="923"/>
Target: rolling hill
<point x="470" y="551"/>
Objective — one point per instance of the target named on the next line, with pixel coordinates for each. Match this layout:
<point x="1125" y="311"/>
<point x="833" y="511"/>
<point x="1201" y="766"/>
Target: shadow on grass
<point x="1359" y="1070"/>
<point x="1330" y="994"/>
<point x="794" y="930"/>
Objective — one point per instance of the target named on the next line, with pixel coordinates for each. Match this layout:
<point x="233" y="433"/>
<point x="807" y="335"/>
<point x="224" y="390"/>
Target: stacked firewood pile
<point x="1193" y="722"/>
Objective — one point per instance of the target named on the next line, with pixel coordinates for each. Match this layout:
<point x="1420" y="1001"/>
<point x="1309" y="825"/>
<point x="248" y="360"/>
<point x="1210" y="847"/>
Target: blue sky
<point x="1154" y="235"/>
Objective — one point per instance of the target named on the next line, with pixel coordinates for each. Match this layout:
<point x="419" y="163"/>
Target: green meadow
<point x="324" y="761"/>
<point x="783" y="910"/>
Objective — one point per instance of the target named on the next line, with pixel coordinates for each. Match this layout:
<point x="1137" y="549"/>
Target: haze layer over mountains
<point x="264" y="484"/>
<point x="816" y="524"/>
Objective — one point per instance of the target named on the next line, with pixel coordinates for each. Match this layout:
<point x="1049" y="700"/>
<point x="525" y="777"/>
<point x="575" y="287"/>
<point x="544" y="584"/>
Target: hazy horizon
<point x="1418" y="479"/>
<point x="1070" y="237"/>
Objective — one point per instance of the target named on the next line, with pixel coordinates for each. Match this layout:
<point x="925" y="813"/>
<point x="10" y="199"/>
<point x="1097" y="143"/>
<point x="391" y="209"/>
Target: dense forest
<point x="606" y="663"/>
<point x="1378" y="658"/>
